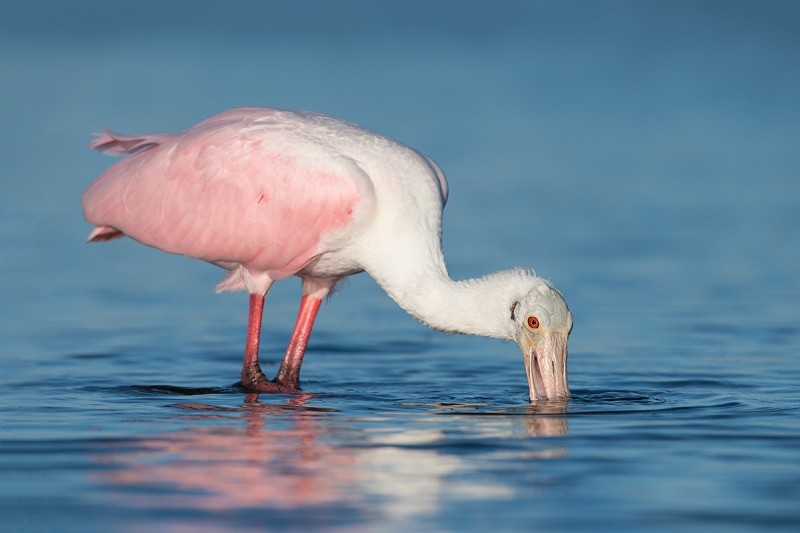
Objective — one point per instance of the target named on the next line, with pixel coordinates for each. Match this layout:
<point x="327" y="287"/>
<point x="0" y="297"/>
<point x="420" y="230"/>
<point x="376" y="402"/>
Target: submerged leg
<point x="314" y="290"/>
<point x="253" y="379"/>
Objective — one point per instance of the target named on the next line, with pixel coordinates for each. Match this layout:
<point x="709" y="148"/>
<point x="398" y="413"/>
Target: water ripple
<point x="163" y="390"/>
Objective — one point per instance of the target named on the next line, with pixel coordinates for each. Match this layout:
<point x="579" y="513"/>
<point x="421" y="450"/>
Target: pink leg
<point x="253" y="379"/>
<point x="289" y="372"/>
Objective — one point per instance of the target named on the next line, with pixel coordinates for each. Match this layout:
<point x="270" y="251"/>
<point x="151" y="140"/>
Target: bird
<point x="267" y="194"/>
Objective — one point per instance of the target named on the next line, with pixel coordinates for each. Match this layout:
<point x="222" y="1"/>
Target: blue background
<point x="642" y="156"/>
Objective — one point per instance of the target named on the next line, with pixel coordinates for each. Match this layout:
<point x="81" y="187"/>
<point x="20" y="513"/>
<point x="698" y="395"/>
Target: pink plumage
<point x="224" y="191"/>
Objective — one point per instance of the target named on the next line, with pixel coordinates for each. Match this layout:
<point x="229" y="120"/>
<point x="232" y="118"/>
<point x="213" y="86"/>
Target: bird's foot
<point x="254" y="380"/>
<point x="267" y="387"/>
<point x="291" y="380"/>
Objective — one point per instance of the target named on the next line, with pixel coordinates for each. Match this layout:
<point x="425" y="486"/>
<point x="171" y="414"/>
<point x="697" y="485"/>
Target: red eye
<point x="533" y="322"/>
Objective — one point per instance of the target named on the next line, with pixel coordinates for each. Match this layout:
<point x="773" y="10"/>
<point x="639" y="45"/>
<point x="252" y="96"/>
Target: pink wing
<point x="228" y="190"/>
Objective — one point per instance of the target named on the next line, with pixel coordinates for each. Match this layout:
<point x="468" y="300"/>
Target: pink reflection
<point x="254" y="459"/>
<point x="272" y="462"/>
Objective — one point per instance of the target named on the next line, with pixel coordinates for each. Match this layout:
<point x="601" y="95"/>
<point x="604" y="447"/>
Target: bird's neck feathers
<point x="480" y="306"/>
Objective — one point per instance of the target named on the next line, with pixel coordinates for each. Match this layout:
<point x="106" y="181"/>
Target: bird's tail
<point x="112" y="143"/>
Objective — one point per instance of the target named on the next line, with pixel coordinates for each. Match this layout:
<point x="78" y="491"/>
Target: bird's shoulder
<point x="259" y="146"/>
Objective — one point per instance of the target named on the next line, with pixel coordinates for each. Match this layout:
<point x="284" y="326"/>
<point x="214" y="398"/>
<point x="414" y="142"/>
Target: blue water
<point x="644" y="157"/>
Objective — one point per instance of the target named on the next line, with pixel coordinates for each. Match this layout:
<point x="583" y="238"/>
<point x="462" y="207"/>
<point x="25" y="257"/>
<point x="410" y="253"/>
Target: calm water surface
<point x="644" y="160"/>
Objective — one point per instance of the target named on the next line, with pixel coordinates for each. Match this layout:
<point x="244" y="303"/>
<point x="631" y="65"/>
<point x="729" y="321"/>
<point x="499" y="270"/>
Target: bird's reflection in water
<point x="546" y="418"/>
<point x="286" y="456"/>
<point x="216" y="466"/>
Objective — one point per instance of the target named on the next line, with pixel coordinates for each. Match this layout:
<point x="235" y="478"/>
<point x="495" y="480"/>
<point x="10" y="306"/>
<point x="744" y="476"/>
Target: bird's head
<point x="543" y="324"/>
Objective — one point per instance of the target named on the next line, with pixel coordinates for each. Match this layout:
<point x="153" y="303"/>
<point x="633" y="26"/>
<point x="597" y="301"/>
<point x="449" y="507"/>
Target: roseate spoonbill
<point x="268" y="194"/>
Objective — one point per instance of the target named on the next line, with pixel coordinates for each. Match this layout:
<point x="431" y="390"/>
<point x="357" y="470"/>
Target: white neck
<point x="401" y="249"/>
<point x="480" y="306"/>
